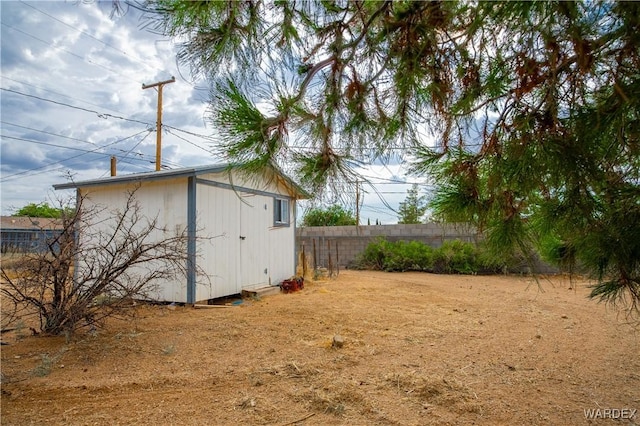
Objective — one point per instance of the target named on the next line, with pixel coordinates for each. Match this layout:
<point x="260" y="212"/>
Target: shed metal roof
<point x="293" y="187"/>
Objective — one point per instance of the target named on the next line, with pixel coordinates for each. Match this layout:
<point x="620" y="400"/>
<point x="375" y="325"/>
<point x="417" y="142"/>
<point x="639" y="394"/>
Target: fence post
<point x="330" y="264"/>
<point x="315" y="258"/>
<point x="304" y="262"/>
<point x="337" y="259"/>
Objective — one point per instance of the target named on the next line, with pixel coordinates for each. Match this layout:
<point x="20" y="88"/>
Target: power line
<point x="48" y="133"/>
<point x="94" y="151"/>
<point x="6" y="178"/>
<point x="121" y="157"/>
<point x="107" y="115"/>
<point x="58" y="93"/>
<point x="35" y="172"/>
<point x="99" y="114"/>
<point x="149" y="158"/>
<point x="89" y="61"/>
<point x="210" y="138"/>
<point x="49" y="144"/>
<point x="135" y="59"/>
<point x="129" y="56"/>
<point x="136" y="145"/>
<point x="189" y="142"/>
<point x="378" y="210"/>
<point x="392" y="192"/>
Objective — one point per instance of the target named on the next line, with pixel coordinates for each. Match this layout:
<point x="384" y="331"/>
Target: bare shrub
<point x="92" y="270"/>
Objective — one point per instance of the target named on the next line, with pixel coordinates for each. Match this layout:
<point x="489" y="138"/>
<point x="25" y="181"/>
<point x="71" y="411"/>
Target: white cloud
<point x="93" y="63"/>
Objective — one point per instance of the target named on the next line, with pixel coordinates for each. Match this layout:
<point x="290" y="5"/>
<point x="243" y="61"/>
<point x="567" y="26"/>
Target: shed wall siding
<point x="266" y="253"/>
<point x="226" y="263"/>
<point x="238" y="183"/>
<point x="167" y="200"/>
<point x="218" y="221"/>
<point x="255" y="220"/>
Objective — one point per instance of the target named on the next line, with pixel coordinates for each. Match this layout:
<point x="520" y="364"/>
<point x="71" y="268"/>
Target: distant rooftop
<point x="23" y="222"/>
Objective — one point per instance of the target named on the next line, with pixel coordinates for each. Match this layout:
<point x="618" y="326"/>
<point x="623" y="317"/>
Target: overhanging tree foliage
<point x="525" y="113"/>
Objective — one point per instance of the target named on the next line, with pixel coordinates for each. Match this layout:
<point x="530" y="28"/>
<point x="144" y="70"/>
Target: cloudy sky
<point x="72" y="97"/>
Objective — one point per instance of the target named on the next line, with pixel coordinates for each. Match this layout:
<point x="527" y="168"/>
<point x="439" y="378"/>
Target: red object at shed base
<point x="291" y="285"/>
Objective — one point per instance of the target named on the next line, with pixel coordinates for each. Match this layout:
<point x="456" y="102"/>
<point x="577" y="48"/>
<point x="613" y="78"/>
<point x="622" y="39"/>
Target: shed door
<point x="255" y="221"/>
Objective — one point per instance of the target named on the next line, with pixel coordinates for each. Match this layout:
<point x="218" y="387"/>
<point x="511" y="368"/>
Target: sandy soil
<point x="419" y="349"/>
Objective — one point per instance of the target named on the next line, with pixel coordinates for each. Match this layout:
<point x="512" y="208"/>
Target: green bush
<point x="395" y="256"/>
<point x="407" y="256"/>
<point x="373" y="256"/>
<point x="334" y="215"/>
<point x="456" y="257"/>
<point x="453" y="257"/>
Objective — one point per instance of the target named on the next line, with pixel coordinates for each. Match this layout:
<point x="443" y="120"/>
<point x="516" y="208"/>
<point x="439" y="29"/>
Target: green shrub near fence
<point x="456" y="257"/>
<point x="407" y="256"/>
<point x="453" y="257"/>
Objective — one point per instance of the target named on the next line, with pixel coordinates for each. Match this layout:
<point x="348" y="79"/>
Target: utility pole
<point x="159" y="85"/>
<point x="357" y="203"/>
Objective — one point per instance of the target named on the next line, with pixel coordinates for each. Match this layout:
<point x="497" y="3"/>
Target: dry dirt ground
<point x="419" y="349"/>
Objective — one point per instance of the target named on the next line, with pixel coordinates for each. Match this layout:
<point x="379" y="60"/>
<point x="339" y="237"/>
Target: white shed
<point x="253" y="221"/>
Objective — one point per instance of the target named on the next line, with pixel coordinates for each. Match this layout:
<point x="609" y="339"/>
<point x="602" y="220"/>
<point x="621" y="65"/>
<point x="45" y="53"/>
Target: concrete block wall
<point x="344" y="243"/>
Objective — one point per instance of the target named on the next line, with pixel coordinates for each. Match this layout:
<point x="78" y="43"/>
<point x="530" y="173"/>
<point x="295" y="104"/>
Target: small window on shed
<point x="281" y="212"/>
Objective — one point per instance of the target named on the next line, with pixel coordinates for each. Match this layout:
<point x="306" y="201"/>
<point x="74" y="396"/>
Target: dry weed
<point x="445" y="392"/>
